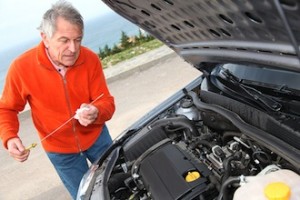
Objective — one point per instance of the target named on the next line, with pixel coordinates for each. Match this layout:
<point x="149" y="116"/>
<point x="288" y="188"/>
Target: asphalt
<point x="138" y="85"/>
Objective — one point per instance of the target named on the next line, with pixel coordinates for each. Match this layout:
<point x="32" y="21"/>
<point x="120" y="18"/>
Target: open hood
<point x="263" y="32"/>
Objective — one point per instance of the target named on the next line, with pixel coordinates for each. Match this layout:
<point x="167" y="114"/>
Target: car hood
<point x="263" y="32"/>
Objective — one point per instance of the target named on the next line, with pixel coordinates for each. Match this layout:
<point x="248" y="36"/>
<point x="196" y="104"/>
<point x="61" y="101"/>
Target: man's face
<point x="64" y="45"/>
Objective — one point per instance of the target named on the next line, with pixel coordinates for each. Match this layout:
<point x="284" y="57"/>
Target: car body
<point x="233" y="132"/>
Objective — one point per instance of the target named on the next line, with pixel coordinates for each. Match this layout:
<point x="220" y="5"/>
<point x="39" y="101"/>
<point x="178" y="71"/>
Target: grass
<point x="130" y="53"/>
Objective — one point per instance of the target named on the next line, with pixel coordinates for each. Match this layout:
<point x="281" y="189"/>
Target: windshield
<point x="265" y="88"/>
<point x="265" y="76"/>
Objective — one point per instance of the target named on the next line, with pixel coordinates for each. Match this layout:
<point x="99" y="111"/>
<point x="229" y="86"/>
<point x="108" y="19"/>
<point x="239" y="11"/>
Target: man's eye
<point x="64" y="40"/>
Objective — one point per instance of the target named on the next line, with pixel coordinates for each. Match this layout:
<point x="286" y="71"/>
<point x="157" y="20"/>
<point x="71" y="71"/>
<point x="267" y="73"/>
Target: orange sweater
<point x="54" y="99"/>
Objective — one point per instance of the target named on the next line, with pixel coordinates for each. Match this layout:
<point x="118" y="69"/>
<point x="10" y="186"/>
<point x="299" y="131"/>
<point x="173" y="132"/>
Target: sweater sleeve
<point x="11" y="103"/>
<point x="105" y="104"/>
<point x="9" y="126"/>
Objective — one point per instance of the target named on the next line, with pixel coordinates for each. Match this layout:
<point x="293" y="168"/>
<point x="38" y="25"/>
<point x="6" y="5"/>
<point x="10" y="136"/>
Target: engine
<point x="189" y="153"/>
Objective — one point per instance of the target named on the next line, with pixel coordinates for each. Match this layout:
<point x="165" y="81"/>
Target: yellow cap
<point x="192" y="176"/>
<point x="277" y="191"/>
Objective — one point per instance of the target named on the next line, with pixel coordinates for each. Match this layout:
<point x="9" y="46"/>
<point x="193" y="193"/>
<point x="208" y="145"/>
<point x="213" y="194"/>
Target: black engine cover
<point x="163" y="173"/>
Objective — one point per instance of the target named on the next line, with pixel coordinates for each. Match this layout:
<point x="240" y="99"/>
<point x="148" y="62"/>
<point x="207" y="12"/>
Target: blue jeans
<point x="72" y="167"/>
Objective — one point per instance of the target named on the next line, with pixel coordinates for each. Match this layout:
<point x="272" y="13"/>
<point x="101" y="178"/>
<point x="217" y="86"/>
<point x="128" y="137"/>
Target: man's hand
<point x="17" y="150"/>
<point x="88" y="114"/>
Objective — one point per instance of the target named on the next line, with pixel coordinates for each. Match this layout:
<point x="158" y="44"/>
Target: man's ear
<point x="45" y="39"/>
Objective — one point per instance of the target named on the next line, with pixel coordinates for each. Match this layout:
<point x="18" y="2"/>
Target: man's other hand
<point x="17" y="150"/>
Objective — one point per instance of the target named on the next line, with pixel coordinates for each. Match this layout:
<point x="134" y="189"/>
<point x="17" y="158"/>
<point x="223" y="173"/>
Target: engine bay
<point x="192" y="152"/>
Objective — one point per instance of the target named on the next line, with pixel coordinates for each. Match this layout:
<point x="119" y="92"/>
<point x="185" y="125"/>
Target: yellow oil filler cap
<point x="192" y="176"/>
<point x="277" y="191"/>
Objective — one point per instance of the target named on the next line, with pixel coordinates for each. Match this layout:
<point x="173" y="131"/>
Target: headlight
<point x="86" y="181"/>
<point x="93" y="183"/>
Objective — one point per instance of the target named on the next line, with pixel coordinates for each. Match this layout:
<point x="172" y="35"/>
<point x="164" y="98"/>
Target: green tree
<point x="115" y="49"/>
<point x="101" y="53"/>
<point x="107" y="50"/>
<point x="141" y="37"/>
<point x="125" y="40"/>
<point x="125" y="44"/>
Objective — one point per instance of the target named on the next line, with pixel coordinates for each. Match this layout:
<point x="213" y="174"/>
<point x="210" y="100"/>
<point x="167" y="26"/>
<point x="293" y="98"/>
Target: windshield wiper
<point x="251" y="92"/>
<point x="290" y="92"/>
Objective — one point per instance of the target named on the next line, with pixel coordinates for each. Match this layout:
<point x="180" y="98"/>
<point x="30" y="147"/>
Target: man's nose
<point x="72" y="46"/>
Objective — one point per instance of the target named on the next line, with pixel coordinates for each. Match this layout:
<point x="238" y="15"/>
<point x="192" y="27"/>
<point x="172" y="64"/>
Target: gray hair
<point x="60" y="9"/>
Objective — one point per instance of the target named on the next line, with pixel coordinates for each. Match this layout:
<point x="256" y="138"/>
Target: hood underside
<point x="263" y="32"/>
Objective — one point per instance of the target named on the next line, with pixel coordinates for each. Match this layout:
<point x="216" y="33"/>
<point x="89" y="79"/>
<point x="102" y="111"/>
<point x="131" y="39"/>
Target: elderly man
<point x="56" y="78"/>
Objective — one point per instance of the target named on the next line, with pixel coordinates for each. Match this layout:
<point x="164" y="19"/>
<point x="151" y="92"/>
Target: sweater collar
<point x="45" y="61"/>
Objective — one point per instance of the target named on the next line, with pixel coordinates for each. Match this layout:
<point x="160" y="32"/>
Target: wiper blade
<point x="257" y="95"/>
<point x="251" y="92"/>
<point x="285" y="90"/>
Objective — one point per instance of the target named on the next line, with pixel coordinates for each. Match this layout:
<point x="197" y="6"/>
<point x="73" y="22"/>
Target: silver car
<point x="234" y="132"/>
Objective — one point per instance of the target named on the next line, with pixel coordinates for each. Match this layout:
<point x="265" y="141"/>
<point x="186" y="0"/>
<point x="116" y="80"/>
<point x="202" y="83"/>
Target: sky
<point x="19" y="19"/>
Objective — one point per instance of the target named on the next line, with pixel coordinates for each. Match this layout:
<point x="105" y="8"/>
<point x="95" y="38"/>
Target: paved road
<point x="135" y="95"/>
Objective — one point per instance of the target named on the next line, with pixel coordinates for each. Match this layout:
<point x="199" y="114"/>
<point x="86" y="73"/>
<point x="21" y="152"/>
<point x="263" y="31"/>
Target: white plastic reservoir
<point x="278" y="185"/>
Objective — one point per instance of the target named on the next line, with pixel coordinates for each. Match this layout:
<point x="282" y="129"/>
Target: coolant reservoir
<point x="266" y="187"/>
<point x="188" y="109"/>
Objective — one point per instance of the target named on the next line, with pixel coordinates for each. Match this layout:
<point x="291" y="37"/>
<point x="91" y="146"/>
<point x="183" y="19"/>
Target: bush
<point x="125" y="43"/>
<point x="130" y="52"/>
